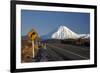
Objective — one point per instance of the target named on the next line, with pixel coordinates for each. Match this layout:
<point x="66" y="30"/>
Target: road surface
<point x="62" y="52"/>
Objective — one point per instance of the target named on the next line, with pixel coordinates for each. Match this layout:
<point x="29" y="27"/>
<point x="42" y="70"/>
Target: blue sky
<point x="45" y="22"/>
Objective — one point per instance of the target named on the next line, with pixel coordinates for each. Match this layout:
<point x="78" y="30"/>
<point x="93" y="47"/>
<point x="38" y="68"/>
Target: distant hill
<point x="48" y="35"/>
<point x="25" y="37"/>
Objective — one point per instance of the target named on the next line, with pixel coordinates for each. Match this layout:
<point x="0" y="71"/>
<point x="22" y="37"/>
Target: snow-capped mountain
<point x="64" y="33"/>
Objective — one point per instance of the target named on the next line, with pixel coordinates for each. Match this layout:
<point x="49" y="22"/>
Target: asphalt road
<point x="61" y="52"/>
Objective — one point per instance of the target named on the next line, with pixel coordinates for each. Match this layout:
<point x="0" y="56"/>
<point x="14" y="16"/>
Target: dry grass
<point x="26" y="51"/>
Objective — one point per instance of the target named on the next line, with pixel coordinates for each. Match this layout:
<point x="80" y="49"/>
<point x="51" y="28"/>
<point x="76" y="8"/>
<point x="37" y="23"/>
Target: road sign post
<point x="32" y="35"/>
<point x="33" y="48"/>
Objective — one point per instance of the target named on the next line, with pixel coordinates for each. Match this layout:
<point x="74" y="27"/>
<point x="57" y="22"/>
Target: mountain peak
<point x="64" y="32"/>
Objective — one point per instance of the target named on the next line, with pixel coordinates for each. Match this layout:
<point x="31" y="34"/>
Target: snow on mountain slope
<point x="84" y="36"/>
<point x="64" y="33"/>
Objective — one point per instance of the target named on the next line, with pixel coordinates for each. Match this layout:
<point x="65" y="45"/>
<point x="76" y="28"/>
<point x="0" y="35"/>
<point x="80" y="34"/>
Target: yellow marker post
<point x="32" y="35"/>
